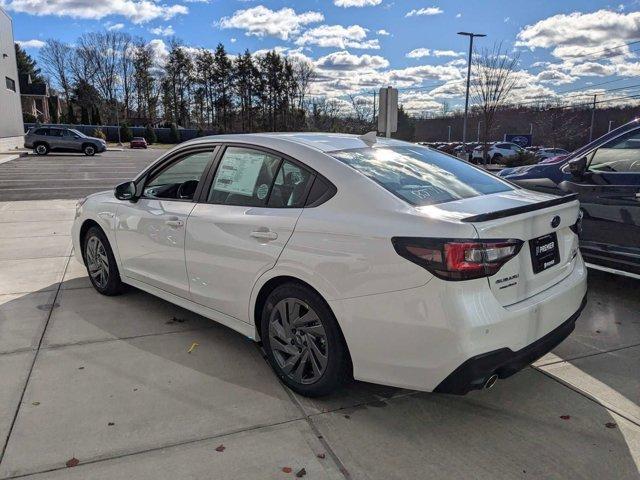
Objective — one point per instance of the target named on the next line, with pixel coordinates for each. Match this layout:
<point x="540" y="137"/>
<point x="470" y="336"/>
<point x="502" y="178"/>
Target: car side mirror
<point x="578" y="166"/>
<point x="125" y="191"/>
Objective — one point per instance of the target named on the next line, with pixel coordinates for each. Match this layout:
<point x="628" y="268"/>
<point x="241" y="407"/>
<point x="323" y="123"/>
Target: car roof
<point x="324" y="142"/>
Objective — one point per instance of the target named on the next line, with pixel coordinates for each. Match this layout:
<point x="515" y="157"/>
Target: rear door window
<point x="620" y="155"/>
<point x="421" y="176"/>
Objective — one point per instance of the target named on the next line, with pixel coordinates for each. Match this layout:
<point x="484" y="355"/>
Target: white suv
<point x="497" y="151"/>
<point x="346" y="257"/>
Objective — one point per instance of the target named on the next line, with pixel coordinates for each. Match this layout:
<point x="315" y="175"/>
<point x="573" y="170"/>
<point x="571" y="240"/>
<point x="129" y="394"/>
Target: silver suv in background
<point x="46" y="139"/>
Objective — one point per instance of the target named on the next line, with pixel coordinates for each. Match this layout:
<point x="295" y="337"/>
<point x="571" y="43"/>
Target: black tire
<point x="337" y="369"/>
<point x="89" y="150"/>
<point x="41" y="148"/>
<point x="113" y="285"/>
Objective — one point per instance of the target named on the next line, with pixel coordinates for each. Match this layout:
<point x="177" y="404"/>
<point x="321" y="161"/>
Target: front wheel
<point x="303" y="342"/>
<point x="89" y="150"/>
<point x="101" y="264"/>
<point x="41" y="149"/>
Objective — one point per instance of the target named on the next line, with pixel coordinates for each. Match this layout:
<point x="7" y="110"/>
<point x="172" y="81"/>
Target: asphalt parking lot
<point x="109" y="382"/>
<point x="71" y="176"/>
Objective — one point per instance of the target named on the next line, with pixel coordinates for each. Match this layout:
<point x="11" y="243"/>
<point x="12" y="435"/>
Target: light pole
<point x="466" y="101"/>
<point x="449" y="140"/>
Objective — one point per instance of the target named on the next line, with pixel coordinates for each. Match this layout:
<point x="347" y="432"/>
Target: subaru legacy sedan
<point x="346" y="257"/>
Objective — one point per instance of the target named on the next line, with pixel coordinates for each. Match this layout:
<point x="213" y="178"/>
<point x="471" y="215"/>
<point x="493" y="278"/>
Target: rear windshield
<point x="421" y="176"/>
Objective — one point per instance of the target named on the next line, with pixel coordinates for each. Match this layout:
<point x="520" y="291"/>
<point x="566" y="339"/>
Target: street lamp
<point x="466" y="101"/>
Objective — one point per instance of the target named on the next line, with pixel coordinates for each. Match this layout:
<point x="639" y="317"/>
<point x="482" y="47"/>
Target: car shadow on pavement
<point x="165" y="375"/>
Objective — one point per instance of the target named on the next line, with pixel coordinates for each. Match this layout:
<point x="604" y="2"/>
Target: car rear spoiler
<point x="484" y="217"/>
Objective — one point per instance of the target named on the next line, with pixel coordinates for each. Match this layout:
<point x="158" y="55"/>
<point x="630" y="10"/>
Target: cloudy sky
<point x="568" y="49"/>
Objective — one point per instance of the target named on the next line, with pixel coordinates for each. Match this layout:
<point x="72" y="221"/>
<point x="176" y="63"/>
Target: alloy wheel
<point x="298" y="341"/>
<point x="97" y="261"/>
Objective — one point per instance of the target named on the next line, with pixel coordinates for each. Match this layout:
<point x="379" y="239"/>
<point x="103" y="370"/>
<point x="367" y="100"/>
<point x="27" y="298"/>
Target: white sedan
<point x="346" y="257"/>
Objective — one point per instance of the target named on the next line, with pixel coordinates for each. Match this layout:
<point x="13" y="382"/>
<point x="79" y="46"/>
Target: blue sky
<point x="360" y="45"/>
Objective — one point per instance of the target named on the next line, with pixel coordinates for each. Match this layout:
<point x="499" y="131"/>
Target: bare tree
<point x="493" y="79"/>
<point x="56" y="58"/>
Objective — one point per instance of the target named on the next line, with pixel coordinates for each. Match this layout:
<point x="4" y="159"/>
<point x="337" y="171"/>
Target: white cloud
<point x="579" y="34"/>
<point x="593" y="69"/>
<point x="383" y="33"/>
<point x="415" y="75"/>
<point x="356" y="3"/>
<point x="458" y="15"/>
<point x="138" y="11"/>
<point x="555" y="77"/>
<point x="31" y="43"/>
<point x="447" y="53"/>
<point x="167" y="31"/>
<point x="337" y="36"/>
<point x="115" y="26"/>
<point x="418" y="53"/>
<point x="160" y="50"/>
<point x="261" y="21"/>
<point x="424" y="11"/>
<point x="344" y="60"/>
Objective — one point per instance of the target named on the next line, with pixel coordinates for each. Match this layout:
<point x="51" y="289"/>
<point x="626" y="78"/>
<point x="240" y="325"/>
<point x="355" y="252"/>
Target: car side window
<point x="620" y="155"/>
<point x="244" y="177"/>
<point x="290" y="187"/>
<point x="42" y="131"/>
<point x="55" y="132"/>
<point x="178" y="180"/>
<point x="67" y="133"/>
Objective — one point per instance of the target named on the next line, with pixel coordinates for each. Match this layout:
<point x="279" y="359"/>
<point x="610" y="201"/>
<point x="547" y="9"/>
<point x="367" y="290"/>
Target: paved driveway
<point x="110" y="382"/>
<point x="70" y="175"/>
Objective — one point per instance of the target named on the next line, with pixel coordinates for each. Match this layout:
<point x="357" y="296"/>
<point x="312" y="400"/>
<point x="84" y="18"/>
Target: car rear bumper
<point x="475" y="372"/>
<point x="416" y="338"/>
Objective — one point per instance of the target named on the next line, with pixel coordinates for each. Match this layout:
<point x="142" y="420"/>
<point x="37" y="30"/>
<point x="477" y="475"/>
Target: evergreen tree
<point x="84" y="116"/>
<point x="27" y="65"/>
<point x="174" y="134"/>
<point x="150" y="134"/>
<point x="125" y="132"/>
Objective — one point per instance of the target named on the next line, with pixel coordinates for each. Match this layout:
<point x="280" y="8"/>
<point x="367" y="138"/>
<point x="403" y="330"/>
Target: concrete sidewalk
<point x="109" y="381"/>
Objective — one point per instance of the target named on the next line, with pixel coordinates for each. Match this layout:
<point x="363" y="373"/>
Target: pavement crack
<point x="33" y="362"/>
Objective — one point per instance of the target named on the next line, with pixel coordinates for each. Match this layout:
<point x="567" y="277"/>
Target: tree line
<point x="112" y="77"/>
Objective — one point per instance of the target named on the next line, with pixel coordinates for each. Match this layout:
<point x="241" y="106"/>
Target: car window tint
<point x="244" y="177"/>
<point x="421" y="176"/>
<point x="180" y="179"/>
<point x="290" y="186"/>
<point x="67" y="133"/>
<point x="620" y="155"/>
<point x="42" y="131"/>
<point x="55" y="132"/>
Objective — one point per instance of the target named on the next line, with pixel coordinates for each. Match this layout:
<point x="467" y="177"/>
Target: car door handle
<point x="175" y="223"/>
<point x="264" y="234"/>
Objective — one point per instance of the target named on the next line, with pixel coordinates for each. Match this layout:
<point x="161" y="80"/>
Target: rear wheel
<point x="41" y="149"/>
<point x="303" y="342"/>
<point x="89" y="150"/>
<point x="101" y="264"/>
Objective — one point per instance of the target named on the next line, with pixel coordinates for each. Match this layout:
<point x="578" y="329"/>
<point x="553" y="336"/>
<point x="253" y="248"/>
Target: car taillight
<point x="453" y="259"/>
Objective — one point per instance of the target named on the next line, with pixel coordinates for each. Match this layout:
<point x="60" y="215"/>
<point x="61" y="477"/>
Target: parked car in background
<point x="138" y="142"/>
<point x="544" y="153"/>
<point x="46" y="139"/>
<point x="346" y="257"/>
<point x="605" y="174"/>
<point x="496" y="151"/>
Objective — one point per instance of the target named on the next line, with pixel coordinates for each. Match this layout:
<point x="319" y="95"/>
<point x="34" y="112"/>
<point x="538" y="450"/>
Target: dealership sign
<point x="522" y="140"/>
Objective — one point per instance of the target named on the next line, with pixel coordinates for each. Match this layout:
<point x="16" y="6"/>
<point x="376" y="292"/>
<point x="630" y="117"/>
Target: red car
<point x="138" y="142"/>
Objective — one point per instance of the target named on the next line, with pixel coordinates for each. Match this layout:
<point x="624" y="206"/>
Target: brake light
<point x="453" y="259"/>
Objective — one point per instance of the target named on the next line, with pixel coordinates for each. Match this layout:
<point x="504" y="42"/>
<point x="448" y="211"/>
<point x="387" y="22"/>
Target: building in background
<point x="38" y="105"/>
<point x="11" y="126"/>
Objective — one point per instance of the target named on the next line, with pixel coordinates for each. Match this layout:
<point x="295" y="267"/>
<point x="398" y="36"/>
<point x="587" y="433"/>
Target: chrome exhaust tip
<point x="490" y="382"/>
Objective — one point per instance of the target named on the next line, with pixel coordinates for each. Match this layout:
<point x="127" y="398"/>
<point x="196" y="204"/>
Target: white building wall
<point x="11" y="126"/>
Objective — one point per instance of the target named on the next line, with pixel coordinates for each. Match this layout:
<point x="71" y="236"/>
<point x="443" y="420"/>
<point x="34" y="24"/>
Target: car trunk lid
<point x="543" y="222"/>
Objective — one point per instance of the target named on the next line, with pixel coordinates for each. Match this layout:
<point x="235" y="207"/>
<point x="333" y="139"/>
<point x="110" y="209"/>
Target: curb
<point x="7" y="157"/>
